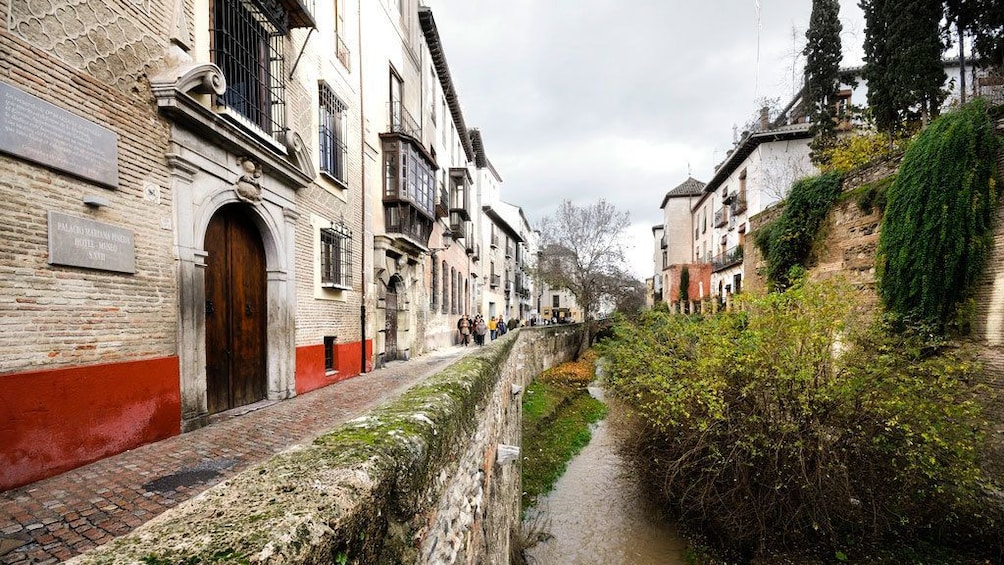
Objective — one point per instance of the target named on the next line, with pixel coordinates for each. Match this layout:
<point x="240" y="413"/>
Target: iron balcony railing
<point x="663" y="244"/>
<point x="495" y="280"/>
<point x="495" y="240"/>
<point x="401" y="121"/>
<point x="720" y="218"/>
<point x="342" y="52"/>
<point x="731" y="257"/>
<point x="457" y="225"/>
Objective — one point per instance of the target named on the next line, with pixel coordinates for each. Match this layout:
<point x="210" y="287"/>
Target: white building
<point x="755" y="175"/>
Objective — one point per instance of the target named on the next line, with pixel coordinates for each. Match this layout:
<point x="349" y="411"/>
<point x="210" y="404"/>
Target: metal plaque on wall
<point x="35" y="130"/>
<point x="79" y="242"/>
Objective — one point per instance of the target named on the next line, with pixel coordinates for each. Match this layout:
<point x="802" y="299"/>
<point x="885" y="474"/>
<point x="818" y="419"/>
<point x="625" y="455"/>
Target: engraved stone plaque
<point x="33" y="129"/>
<point x="79" y="242"/>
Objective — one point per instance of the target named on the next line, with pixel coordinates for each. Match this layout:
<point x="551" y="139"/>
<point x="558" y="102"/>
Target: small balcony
<point x="663" y="244"/>
<point x="720" y="217"/>
<point x="739" y="203"/>
<point x="460" y="192"/>
<point x="299" y="13"/>
<point x="342" y="52"/>
<point x="473" y="249"/>
<point x="729" y="258"/>
<point x="458" y="225"/>
<point x="495" y="240"/>
<point x="494" y="280"/>
<point x="401" y="121"/>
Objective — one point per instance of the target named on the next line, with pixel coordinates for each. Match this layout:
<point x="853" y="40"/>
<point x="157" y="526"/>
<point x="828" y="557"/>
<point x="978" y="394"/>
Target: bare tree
<point x="583" y="252"/>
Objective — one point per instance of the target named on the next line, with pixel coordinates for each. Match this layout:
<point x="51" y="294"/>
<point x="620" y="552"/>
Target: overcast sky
<point x="620" y="99"/>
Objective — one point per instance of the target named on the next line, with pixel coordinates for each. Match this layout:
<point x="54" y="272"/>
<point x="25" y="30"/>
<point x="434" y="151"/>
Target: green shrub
<point x="793" y="423"/>
<point x="787" y="241"/>
<point x="857" y="151"/>
<point x="937" y="227"/>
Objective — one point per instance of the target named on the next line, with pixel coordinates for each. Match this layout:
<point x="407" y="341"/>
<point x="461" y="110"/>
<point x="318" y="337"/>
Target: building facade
<point x="214" y="205"/>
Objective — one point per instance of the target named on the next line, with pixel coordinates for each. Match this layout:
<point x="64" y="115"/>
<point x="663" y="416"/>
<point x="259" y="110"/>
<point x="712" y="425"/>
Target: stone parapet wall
<point x="416" y="481"/>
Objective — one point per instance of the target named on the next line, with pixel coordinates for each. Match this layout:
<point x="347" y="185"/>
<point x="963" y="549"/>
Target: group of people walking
<point x="479" y="328"/>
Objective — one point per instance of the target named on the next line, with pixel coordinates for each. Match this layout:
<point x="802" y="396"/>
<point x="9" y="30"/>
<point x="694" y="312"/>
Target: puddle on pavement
<point x="596" y="514"/>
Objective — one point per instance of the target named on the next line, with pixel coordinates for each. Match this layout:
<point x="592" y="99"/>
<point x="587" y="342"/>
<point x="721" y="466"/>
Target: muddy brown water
<point x="597" y="515"/>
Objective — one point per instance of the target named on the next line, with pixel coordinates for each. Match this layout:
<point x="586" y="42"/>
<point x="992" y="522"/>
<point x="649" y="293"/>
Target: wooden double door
<point x="236" y="302"/>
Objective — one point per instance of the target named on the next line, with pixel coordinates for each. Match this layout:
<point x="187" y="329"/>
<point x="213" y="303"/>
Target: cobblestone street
<point x="62" y="516"/>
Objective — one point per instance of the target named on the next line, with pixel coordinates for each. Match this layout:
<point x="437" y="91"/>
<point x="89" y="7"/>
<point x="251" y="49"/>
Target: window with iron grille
<point x="446" y="289"/>
<point x="331" y="133"/>
<point x="434" y="280"/>
<point x="336" y="257"/>
<point x="453" y="290"/>
<point x="247" y="38"/>
<point x="329" y="353"/>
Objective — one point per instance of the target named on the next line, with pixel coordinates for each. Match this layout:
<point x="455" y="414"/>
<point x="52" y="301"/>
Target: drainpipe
<point x="362" y="168"/>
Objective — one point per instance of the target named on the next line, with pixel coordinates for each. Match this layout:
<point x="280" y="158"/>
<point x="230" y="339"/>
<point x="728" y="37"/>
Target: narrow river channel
<point x="596" y="514"/>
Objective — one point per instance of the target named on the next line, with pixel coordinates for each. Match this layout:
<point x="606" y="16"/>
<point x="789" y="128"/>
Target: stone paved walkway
<point x="59" y="517"/>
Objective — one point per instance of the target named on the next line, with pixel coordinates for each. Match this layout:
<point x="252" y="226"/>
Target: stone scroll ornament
<point x="248" y="186"/>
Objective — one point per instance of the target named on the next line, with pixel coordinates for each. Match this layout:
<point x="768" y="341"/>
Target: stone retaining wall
<point x="416" y="481"/>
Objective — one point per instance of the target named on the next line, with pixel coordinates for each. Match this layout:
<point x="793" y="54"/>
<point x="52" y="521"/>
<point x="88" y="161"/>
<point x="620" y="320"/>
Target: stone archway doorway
<point x="236" y="307"/>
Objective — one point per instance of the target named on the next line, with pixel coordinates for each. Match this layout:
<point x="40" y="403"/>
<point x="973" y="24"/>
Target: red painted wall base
<point x="310" y="372"/>
<point x="55" y="420"/>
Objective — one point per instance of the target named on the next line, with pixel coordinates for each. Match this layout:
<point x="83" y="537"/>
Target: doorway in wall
<point x="236" y="302"/>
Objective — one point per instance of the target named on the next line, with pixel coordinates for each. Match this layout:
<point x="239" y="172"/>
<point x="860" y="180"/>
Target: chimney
<point x="764" y="118"/>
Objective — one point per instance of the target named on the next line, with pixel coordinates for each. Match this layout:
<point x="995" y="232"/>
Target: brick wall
<point x="57" y="316"/>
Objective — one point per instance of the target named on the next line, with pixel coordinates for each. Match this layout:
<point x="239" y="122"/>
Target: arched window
<point x="453" y="290"/>
<point x="446" y="290"/>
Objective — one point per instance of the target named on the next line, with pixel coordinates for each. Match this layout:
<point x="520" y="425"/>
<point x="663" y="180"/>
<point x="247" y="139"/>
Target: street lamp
<point x="448" y="237"/>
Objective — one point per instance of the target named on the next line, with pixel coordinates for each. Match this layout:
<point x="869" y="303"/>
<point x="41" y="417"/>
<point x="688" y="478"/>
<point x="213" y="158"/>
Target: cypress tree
<point x="983" y="21"/>
<point x="878" y="63"/>
<point x="903" y="67"/>
<point x="822" y="66"/>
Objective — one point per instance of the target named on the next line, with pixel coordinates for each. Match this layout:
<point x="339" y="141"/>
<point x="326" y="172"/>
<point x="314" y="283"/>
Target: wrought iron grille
<point x="247" y="46"/>
<point x="446" y="289"/>
<point x="336" y="257"/>
<point x="329" y="353"/>
<point x="401" y="120"/>
<point x="331" y="132"/>
<point x="434" y="282"/>
<point x="342" y="51"/>
<point x="731" y="257"/>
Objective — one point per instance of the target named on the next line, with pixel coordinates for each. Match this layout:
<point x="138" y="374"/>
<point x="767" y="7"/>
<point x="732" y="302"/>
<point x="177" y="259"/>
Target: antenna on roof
<point x="688" y="170"/>
<point x="756" y="79"/>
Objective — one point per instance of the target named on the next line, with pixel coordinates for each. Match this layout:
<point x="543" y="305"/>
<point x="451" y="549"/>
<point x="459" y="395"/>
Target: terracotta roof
<point x="689" y="187"/>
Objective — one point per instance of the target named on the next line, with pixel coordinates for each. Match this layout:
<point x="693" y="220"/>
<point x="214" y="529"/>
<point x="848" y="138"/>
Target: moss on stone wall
<point x="358" y="494"/>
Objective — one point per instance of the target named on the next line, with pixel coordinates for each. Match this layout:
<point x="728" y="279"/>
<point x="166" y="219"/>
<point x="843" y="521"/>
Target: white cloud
<point x="583" y="99"/>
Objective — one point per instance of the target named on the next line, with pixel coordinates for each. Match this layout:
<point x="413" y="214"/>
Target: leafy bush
<point x="860" y="150"/>
<point x="872" y="195"/>
<point x="790" y="423"/>
<point x="937" y="228"/>
<point x="787" y="241"/>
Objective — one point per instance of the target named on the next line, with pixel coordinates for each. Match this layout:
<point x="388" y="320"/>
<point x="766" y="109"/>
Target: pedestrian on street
<point x="480" y="329"/>
<point x="465" y="330"/>
<point x="493" y="327"/>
